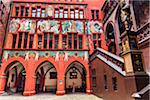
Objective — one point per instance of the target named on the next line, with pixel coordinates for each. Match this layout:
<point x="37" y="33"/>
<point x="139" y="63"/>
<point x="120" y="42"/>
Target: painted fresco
<point x="94" y="27"/>
<point x="72" y="26"/>
<point x="27" y="25"/>
<point x="48" y="26"/>
<point x="49" y="11"/>
<point x="24" y="25"/>
<point x="36" y="54"/>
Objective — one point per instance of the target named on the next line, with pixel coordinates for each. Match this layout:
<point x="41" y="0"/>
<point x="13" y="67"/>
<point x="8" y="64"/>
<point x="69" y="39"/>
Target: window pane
<point x="64" y="42"/>
<point x="38" y="11"/>
<point x="14" y="40"/>
<point x="25" y="40"/>
<point x="51" y="41"/>
<point x="56" y="13"/>
<point x="22" y="11"/>
<point x="27" y="12"/>
<point x="92" y="13"/>
<point x="95" y="45"/>
<point x="56" y="42"/>
<point x="45" y="40"/>
<point x="43" y="12"/>
<point x="70" y="41"/>
<point x="31" y="41"/>
<point x="75" y="41"/>
<point x="114" y="83"/>
<point x="72" y="13"/>
<point x="53" y="75"/>
<point x="94" y="36"/>
<point x="61" y="13"/>
<point x="17" y="11"/>
<point x="80" y="42"/>
<point x="39" y="41"/>
<point x="81" y="14"/>
<point x="105" y="82"/>
<point x="97" y="14"/>
<point x="66" y="13"/>
<point x="20" y="40"/>
<point x="33" y="12"/>
<point x="76" y="13"/>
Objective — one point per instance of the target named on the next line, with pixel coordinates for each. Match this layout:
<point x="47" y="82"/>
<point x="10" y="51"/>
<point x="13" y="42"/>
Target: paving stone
<point x="51" y="97"/>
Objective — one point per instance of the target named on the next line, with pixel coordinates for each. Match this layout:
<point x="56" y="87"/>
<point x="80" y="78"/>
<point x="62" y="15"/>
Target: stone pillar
<point x="8" y="42"/>
<point x="35" y="42"/>
<point x="60" y="41"/>
<point x="60" y="84"/>
<point x="2" y="83"/>
<point x="29" y="88"/>
<point x="88" y="87"/>
<point x="84" y="43"/>
<point x="61" y="76"/>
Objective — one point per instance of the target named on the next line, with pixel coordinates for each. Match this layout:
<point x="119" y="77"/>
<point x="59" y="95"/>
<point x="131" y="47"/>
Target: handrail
<point x="111" y="55"/>
<point x="144" y="90"/>
<point x="110" y="59"/>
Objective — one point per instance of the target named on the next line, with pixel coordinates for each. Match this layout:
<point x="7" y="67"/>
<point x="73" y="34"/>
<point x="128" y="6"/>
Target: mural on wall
<point x="25" y="25"/>
<point x="14" y="25"/>
<point x="49" y="11"/>
<point x="37" y="54"/>
<point x="72" y="26"/>
<point x="94" y="27"/>
<point x="48" y="26"/>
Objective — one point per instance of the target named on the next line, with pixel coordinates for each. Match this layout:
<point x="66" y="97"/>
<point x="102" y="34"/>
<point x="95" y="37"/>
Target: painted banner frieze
<point x="27" y="25"/>
<point x="24" y="25"/>
<point x="48" y="26"/>
<point x="72" y="26"/>
<point x="36" y="54"/>
<point x="94" y="27"/>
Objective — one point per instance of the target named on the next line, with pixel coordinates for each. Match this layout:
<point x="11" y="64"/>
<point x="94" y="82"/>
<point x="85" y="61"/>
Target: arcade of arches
<point x="45" y="75"/>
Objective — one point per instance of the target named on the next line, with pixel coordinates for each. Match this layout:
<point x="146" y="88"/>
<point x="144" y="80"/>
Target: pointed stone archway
<point x="13" y="80"/>
<point x="75" y="78"/>
<point x="46" y="78"/>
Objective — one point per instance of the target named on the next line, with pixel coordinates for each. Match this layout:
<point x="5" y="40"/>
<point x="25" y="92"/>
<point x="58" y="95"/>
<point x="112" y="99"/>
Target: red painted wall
<point x="4" y="18"/>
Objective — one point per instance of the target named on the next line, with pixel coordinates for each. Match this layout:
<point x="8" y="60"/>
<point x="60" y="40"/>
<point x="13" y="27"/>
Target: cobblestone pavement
<point x="51" y="97"/>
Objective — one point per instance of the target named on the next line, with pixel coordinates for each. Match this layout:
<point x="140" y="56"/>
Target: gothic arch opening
<point x="110" y="38"/>
<point x="46" y="78"/>
<point x="75" y="78"/>
<point x="15" y="81"/>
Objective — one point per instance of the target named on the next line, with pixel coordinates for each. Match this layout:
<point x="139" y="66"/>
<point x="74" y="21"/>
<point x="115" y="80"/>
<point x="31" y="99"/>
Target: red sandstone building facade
<point x="67" y="46"/>
<point x="123" y="70"/>
<point x="47" y="46"/>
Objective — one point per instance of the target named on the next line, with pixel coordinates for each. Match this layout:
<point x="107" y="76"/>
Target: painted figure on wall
<point x="94" y="27"/>
<point x="14" y="25"/>
<point x="72" y="26"/>
<point x="48" y="26"/>
<point x="49" y="11"/>
<point x="22" y="25"/>
<point x="66" y="26"/>
<point x="27" y="25"/>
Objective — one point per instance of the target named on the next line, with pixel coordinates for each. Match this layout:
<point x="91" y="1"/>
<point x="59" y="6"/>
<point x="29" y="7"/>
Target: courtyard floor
<point x="51" y="97"/>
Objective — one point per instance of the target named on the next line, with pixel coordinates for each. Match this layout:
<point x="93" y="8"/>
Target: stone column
<point x="60" y="84"/>
<point x="60" y="41"/>
<point x="61" y="77"/>
<point x="2" y="83"/>
<point x="29" y="88"/>
<point x="88" y="87"/>
<point x="35" y="42"/>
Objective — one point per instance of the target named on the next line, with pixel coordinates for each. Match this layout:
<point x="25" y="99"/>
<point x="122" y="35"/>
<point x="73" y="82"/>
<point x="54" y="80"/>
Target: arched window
<point x="110" y="38"/>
